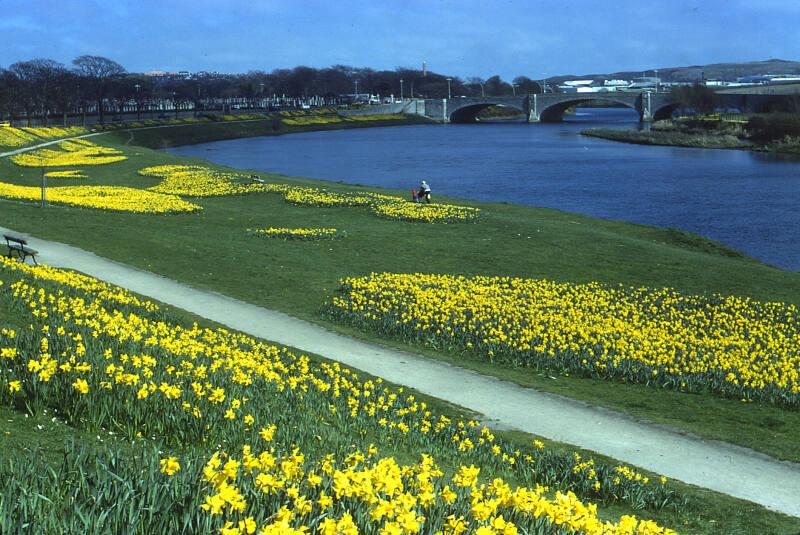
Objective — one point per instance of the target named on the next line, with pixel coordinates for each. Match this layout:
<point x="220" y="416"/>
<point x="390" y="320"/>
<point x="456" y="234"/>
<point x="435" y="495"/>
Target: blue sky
<point x="464" y="37"/>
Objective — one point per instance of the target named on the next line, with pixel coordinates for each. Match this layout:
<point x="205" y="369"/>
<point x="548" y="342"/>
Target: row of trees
<point x="45" y="88"/>
<point x="341" y="79"/>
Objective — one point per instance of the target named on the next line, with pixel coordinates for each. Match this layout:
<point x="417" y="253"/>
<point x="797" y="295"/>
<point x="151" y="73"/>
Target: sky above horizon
<point x="462" y="38"/>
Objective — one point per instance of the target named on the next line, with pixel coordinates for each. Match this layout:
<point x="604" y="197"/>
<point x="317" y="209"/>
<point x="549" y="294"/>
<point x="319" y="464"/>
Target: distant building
<point x="206" y="74"/>
<point x="754" y="79"/>
<point x="577" y="83"/>
<point x="645" y="83"/>
<point x="583" y="86"/>
<point x="593" y="86"/>
<point x="180" y="75"/>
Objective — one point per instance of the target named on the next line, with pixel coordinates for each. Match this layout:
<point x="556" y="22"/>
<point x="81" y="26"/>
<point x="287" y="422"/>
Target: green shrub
<point x="774" y="126"/>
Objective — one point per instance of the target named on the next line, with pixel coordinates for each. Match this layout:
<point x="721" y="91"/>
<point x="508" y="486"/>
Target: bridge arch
<point x="469" y="112"/>
<point x="555" y="112"/>
<point x="665" y="111"/>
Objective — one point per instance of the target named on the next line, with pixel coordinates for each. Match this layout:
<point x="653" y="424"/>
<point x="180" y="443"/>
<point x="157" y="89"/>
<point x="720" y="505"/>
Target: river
<point x="747" y="200"/>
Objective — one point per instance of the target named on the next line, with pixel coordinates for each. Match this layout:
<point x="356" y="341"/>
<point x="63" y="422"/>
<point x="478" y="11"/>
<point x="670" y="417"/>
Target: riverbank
<point x="494" y="114"/>
<point x="669" y="138"/>
<point x="776" y="133"/>
<point x="552" y="165"/>
<point x="176" y="135"/>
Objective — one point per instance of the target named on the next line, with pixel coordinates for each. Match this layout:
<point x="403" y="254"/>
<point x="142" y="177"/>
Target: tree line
<point x="47" y="89"/>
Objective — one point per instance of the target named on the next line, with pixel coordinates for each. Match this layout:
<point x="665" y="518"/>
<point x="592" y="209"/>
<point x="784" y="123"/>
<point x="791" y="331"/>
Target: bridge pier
<point x="534" y="114"/>
<point x="646" y="108"/>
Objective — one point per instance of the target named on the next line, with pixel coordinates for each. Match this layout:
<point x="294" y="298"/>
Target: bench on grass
<point x="19" y="247"/>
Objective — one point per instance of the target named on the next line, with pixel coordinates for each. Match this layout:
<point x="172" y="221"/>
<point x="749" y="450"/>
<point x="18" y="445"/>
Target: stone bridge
<point x="548" y="107"/>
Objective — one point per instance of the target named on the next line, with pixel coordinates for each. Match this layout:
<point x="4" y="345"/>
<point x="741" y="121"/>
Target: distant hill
<point x="695" y="73"/>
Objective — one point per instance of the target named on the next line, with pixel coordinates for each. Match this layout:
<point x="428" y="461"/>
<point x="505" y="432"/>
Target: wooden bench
<point x="19" y="247"/>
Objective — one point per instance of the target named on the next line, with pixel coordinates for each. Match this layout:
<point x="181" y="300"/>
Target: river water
<point x="746" y="200"/>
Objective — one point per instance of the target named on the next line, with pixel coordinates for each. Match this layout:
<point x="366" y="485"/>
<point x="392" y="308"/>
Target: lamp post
<point x="174" y="104"/>
<point x="356" y="89"/>
<point x="449" y="95"/>
<point x="514" y="89"/>
<point x="44" y="188"/>
<point x="401" y="90"/>
<point x="261" y="94"/>
<point x="44" y="180"/>
<point x="138" y="104"/>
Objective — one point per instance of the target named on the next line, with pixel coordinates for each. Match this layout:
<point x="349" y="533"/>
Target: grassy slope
<point x="707" y="512"/>
<point x="170" y="136"/>
<point x="212" y="250"/>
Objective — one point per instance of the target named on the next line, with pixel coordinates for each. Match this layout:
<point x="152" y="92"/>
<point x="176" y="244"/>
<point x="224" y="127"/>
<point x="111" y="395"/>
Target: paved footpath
<point x="46" y="144"/>
<point x="713" y="465"/>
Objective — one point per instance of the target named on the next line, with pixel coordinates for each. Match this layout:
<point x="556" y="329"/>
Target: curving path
<point x="717" y="466"/>
<point x="46" y="144"/>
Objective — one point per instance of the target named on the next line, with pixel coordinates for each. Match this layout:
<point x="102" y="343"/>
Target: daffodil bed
<point x="330" y="118"/>
<point x="72" y="173"/>
<point x="384" y="206"/>
<point x="18" y="137"/>
<point x="113" y="198"/>
<point x="297" y="233"/>
<point x="198" y="181"/>
<point x="306" y="113"/>
<point x="731" y="346"/>
<point x="229" y="433"/>
<point x="425" y="213"/>
<point x="70" y="153"/>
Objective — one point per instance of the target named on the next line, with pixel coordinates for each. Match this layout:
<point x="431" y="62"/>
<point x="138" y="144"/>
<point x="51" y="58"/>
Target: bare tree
<point x="526" y="85"/>
<point x="37" y="79"/>
<point x="495" y="86"/>
<point x="99" y="73"/>
<point x="8" y="93"/>
<point x="698" y="98"/>
<point x="477" y="80"/>
<point x="66" y="93"/>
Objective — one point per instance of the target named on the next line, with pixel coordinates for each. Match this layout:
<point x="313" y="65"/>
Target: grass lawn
<point x="212" y="250"/>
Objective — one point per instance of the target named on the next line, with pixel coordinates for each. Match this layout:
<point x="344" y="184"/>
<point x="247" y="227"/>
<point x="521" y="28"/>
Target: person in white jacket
<point x="424" y="192"/>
